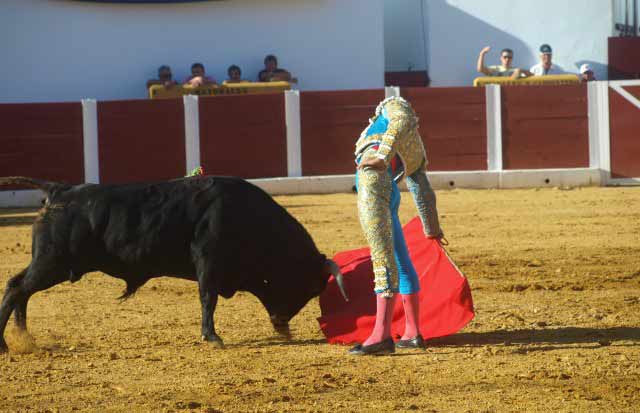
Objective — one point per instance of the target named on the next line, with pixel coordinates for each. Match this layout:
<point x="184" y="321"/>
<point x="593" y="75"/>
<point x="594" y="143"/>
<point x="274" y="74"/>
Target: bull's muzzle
<point x="281" y="325"/>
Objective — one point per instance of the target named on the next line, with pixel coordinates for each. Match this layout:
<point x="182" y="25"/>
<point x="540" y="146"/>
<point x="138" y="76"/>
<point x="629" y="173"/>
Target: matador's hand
<point x="373" y="163"/>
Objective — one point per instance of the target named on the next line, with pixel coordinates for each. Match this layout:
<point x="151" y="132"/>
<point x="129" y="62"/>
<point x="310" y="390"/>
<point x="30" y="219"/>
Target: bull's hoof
<point x="214" y="339"/>
<point x="283" y="332"/>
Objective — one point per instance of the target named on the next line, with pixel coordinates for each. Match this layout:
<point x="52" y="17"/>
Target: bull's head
<point x="283" y="299"/>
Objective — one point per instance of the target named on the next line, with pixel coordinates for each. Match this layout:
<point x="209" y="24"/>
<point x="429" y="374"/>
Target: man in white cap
<point x="545" y="67"/>
<point x="586" y="73"/>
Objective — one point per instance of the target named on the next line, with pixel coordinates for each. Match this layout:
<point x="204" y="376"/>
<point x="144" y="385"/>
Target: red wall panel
<point x="624" y="123"/>
<point x="42" y="140"/>
<point x="545" y="127"/>
<point x="419" y="78"/>
<point x="141" y="140"/>
<point x="244" y="135"/>
<point x="452" y="125"/>
<point x="331" y="123"/>
<point x="624" y="57"/>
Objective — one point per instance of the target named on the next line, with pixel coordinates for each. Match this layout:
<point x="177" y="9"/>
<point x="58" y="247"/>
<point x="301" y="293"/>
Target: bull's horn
<point x="335" y="270"/>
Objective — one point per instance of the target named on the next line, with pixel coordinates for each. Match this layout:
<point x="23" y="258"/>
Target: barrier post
<point x="599" y="144"/>
<point x="493" y="106"/>
<point x="391" y="91"/>
<point x="293" y="125"/>
<point x="90" y="141"/>
<point x="191" y="132"/>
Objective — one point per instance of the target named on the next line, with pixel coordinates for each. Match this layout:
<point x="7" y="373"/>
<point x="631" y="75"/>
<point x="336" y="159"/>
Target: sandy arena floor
<point x="555" y="275"/>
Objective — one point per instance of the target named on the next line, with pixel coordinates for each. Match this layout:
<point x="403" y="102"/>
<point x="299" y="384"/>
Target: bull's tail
<point x="45" y="186"/>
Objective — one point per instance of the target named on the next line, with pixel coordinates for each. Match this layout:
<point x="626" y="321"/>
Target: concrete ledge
<point x="329" y="184"/>
<point x="540" y="178"/>
<point x="624" y="182"/>
<point x="464" y="179"/>
<point x="30" y="198"/>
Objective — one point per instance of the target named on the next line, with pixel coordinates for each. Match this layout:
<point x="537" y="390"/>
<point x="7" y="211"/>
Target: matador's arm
<point x="425" y="199"/>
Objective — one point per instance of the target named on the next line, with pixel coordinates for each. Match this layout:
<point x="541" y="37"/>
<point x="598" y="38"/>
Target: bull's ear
<point x="327" y="268"/>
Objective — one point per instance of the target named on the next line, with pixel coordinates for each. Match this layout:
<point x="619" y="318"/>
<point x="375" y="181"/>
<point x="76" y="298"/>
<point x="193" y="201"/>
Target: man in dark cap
<point x="545" y="67"/>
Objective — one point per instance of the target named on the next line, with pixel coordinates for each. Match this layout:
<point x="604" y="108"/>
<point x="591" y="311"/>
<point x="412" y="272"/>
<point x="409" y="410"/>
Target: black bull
<point x="223" y="232"/>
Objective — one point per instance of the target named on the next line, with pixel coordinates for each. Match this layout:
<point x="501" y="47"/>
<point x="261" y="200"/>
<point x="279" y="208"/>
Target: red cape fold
<point x="446" y="305"/>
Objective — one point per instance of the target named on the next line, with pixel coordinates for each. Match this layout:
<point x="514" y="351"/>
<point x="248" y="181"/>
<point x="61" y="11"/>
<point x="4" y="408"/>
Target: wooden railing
<point x="243" y="88"/>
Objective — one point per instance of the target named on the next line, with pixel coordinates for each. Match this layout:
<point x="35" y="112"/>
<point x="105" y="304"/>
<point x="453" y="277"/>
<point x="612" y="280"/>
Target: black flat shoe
<point x="416" y="342"/>
<point x="383" y="347"/>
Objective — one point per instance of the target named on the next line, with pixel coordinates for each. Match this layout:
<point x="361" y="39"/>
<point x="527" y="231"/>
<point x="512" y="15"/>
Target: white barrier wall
<point x="62" y="50"/>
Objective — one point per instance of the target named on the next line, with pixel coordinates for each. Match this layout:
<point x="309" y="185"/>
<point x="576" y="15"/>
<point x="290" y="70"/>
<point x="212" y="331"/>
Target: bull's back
<point x="249" y="232"/>
<point x="157" y="227"/>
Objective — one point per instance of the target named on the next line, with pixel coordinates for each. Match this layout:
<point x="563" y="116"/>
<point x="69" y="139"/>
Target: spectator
<point x="504" y="69"/>
<point x="272" y="73"/>
<point x="235" y="75"/>
<point x="545" y="67"/>
<point x="165" y="78"/>
<point x="586" y="73"/>
<point x="198" y="76"/>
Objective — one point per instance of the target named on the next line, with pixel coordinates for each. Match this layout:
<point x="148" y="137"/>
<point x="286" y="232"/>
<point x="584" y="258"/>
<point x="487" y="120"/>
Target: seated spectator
<point x="273" y="73"/>
<point x="504" y="69"/>
<point x="165" y="78"/>
<point x="235" y="75"/>
<point x="586" y="73"/>
<point x="198" y="77"/>
<point x="545" y="67"/>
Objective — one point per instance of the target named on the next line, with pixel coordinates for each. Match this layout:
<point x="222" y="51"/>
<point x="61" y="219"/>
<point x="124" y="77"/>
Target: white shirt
<point x="538" y="70"/>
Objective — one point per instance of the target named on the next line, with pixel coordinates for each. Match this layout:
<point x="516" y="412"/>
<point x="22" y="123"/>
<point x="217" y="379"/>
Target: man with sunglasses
<point x="505" y="68"/>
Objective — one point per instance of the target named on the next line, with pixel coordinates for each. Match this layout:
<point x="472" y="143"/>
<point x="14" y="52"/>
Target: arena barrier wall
<point x="529" y="137"/>
<point x="625" y="129"/>
<point x="452" y="125"/>
<point x="42" y="140"/>
<point x="331" y="122"/>
<point x="242" y="88"/>
<point x="140" y="140"/>
<point x="243" y="135"/>
<point x="545" y="127"/>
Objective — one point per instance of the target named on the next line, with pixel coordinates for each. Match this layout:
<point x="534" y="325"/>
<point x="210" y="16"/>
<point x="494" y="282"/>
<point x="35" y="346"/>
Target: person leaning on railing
<point x="586" y="73"/>
<point x="235" y="75"/>
<point x="273" y="73"/>
<point x="504" y="69"/>
<point x="165" y="78"/>
<point x="546" y="67"/>
<point x="198" y="77"/>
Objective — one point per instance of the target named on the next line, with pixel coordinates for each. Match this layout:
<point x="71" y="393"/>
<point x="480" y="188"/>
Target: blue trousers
<point x="407" y="277"/>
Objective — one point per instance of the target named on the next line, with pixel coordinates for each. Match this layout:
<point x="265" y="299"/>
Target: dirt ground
<point x="555" y="276"/>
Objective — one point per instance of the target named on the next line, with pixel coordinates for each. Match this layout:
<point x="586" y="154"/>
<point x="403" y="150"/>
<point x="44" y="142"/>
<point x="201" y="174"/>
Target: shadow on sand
<point x="551" y="336"/>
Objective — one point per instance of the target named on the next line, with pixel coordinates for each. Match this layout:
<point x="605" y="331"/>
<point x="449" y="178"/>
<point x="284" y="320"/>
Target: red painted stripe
<point x="452" y="125"/>
<point x="331" y="123"/>
<point x="624" y="120"/>
<point x="141" y="140"/>
<point x="42" y="140"/>
<point x="545" y="127"/>
<point x="243" y="135"/>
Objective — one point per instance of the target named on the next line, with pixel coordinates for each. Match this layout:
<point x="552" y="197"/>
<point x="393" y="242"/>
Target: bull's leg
<point x="208" y="301"/>
<point x="20" y="313"/>
<point x="37" y="277"/>
<point x="11" y="295"/>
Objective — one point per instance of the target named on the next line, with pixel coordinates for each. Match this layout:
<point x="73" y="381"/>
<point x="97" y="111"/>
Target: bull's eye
<point x="265" y="281"/>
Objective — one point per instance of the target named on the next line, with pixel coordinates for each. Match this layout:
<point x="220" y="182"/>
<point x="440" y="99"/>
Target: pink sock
<point x="384" y="317"/>
<point x="411" y="305"/>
